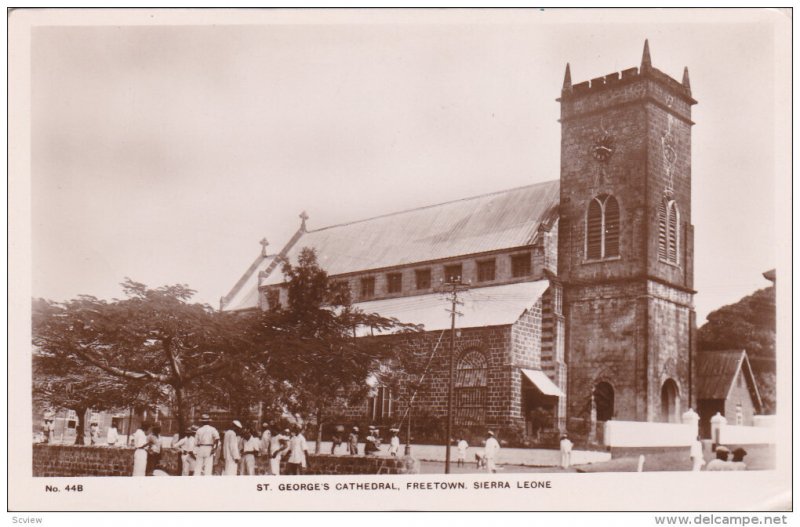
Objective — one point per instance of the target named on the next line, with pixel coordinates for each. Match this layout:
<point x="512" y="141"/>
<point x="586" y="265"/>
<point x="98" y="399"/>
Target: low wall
<point x="627" y="434"/>
<point x="72" y="460"/>
<point x="746" y="435"/>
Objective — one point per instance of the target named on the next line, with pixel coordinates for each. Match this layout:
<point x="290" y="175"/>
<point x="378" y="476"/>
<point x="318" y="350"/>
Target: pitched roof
<point x="484" y="306"/>
<point x="244" y="294"/>
<point x="500" y="220"/>
<point x="717" y="371"/>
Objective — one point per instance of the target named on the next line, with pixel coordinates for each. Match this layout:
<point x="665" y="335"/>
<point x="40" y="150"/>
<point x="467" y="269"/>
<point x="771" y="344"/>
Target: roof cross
<point x="264" y="244"/>
<point x="303" y="217"/>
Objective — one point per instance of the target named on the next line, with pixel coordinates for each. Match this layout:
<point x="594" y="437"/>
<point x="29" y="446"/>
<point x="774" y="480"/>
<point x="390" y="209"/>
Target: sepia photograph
<point x="400" y="259"/>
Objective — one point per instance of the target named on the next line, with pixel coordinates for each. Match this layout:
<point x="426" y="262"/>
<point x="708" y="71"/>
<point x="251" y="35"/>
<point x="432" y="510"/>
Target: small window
<point x="423" y="278"/>
<point x="367" y="287"/>
<point x="668" y="239"/>
<point x="486" y="271"/>
<point x="452" y="273"/>
<point x="394" y="282"/>
<point x="521" y="265"/>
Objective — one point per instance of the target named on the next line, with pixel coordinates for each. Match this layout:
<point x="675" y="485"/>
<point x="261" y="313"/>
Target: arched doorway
<point x="670" y="401"/>
<point x="604" y="401"/>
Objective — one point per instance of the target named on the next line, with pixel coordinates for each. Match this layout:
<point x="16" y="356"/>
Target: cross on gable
<point x="303" y="218"/>
<point x="264" y="244"/>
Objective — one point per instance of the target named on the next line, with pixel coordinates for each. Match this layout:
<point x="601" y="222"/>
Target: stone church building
<point x="580" y="301"/>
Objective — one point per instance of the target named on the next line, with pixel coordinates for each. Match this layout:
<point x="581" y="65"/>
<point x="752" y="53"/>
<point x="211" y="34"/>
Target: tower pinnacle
<point x="646" y="62"/>
<point x="567" y="80"/>
<point x="685" y="81"/>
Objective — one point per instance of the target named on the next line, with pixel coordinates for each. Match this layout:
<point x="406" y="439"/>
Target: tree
<point x="154" y="343"/>
<point x="316" y="350"/>
<point x="748" y="324"/>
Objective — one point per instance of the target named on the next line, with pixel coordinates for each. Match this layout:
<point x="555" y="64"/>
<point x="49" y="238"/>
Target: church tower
<point x="625" y="252"/>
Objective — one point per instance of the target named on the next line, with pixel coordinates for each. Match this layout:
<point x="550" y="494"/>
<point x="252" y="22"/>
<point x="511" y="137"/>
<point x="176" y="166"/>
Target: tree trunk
<point x="318" y="447"/>
<point x="179" y="409"/>
<point x="80" y="429"/>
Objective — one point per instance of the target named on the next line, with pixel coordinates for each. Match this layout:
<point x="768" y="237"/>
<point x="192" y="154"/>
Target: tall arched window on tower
<point x="602" y="228"/>
<point x="471" y="389"/>
<point x="669" y="219"/>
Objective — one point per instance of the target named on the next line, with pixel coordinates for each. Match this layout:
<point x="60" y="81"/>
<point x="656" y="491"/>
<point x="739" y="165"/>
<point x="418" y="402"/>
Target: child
<point x="462" y="451"/>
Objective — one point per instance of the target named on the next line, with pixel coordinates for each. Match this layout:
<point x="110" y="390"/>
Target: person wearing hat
<point x="278" y="447"/>
<point x="721" y="462"/>
<point x="565" y="446"/>
<point x="186" y="446"/>
<point x="394" y="442"/>
<point x="372" y="442"/>
<point x="490" y="451"/>
<point x="206" y="442"/>
<point x="336" y="438"/>
<point x="230" y="449"/>
<point x="352" y="441"/>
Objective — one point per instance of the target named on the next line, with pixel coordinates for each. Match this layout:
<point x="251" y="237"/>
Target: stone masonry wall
<point x="83" y="461"/>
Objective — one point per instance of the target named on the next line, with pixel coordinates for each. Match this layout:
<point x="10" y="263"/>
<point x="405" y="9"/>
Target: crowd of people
<point x="235" y="451"/>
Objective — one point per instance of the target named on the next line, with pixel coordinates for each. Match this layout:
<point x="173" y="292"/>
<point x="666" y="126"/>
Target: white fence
<point x="746" y="435"/>
<point x="642" y="434"/>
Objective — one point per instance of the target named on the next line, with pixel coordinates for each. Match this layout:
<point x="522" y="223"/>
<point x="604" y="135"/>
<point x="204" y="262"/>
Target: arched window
<point x="602" y="228"/>
<point x="670" y="401"/>
<point x="669" y="219"/>
<point x="472" y="376"/>
<point x="604" y="401"/>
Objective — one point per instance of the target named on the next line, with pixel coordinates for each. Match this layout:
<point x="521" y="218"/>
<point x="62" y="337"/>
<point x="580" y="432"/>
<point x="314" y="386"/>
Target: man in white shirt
<point x="140" y="454"/>
<point x="206" y="443"/>
<point x="298" y="449"/>
<point x="187" y="447"/>
<point x="251" y="448"/>
<point x="112" y="436"/>
<point x="462" y="446"/>
<point x="278" y="446"/>
<point x="566" y="451"/>
<point x="230" y="449"/>
<point x="266" y="439"/>
<point x="394" y="442"/>
<point x="490" y="452"/>
<point x="696" y="455"/>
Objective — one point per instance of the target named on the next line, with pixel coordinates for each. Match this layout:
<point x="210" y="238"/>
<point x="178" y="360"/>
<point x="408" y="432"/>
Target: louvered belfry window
<point x="668" y="231"/>
<point x="602" y="228"/>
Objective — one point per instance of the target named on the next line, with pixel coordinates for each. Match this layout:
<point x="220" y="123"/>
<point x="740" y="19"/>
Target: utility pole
<point x="455" y="286"/>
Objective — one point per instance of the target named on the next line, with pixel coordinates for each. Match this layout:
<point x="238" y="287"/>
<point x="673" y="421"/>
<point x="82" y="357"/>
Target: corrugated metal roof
<point x="474" y="225"/>
<point x="716" y="371"/>
<point x="246" y="296"/>
<point x="484" y="306"/>
<point x="543" y="382"/>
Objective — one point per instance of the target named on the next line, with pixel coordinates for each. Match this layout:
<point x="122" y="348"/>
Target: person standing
<point x="266" y="439"/>
<point x="394" y="443"/>
<point x="336" y="438"/>
<point x="112" y="436"/>
<point x="206" y="443"/>
<point x="696" y="454"/>
<point x="372" y="442"/>
<point x="94" y="434"/>
<point x="49" y="431"/>
<point x="565" y="446"/>
<point x="278" y="447"/>
<point x="298" y="450"/>
<point x="490" y="452"/>
<point x="186" y="445"/>
<point x="352" y="442"/>
<point x="153" y="448"/>
<point x="140" y="452"/>
<point x="230" y="449"/>
<point x="252" y="448"/>
<point x="462" y="446"/>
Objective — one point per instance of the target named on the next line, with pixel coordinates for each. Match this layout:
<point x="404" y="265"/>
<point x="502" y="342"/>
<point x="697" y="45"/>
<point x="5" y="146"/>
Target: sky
<point x="164" y="151"/>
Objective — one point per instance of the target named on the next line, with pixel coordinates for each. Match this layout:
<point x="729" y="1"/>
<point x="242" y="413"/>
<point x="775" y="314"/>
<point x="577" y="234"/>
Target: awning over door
<point x="542" y="382"/>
